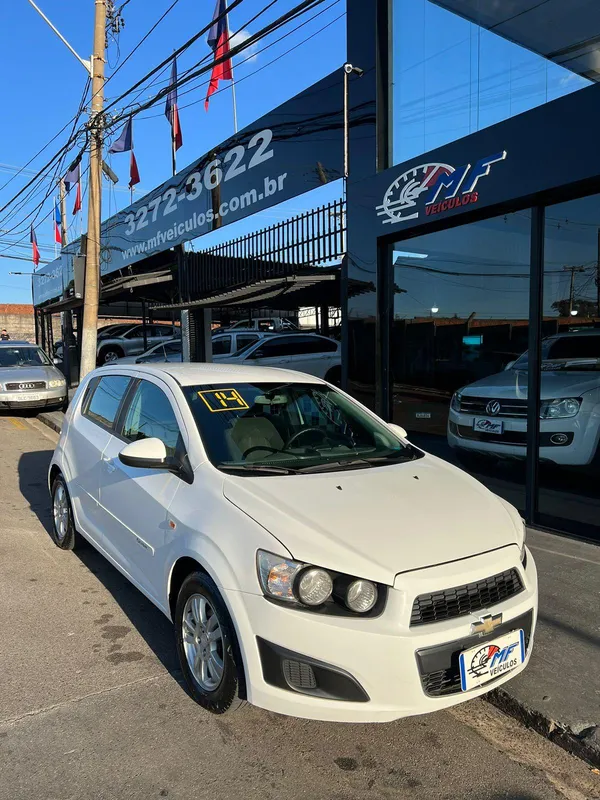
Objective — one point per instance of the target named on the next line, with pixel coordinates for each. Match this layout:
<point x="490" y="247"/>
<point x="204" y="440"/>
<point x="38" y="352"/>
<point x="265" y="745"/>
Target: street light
<point x="434" y="310"/>
<point x="574" y="312"/>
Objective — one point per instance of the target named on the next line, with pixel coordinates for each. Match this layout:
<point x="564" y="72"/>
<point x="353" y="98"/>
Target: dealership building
<point x="466" y="261"/>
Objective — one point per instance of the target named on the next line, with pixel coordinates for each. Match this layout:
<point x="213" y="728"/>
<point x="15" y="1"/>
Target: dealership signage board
<point x="491" y="168"/>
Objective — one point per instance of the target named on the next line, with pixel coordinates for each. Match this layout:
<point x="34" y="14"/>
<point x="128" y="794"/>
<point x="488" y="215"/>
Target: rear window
<point x="103" y="405"/>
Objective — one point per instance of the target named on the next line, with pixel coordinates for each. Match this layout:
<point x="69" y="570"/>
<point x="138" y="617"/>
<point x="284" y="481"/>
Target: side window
<point x="274" y="348"/>
<point x="150" y="415"/>
<point x="135" y="333"/>
<point x="244" y="339"/>
<point x="221" y="346"/>
<point x="305" y="345"/>
<point x="103" y="405"/>
<point x="161" y="330"/>
<point x="172" y="347"/>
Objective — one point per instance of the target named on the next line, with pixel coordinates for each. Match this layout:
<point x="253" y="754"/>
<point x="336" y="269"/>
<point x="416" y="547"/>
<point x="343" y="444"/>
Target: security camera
<point x="349" y="69"/>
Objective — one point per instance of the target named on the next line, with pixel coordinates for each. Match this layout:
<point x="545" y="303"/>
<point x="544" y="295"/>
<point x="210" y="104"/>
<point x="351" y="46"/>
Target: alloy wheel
<point x="60" y="510"/>
<point x="203" y="642"/>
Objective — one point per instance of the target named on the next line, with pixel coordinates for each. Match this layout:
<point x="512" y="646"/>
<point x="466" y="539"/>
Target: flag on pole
<point x="218" y="41"/>
<point x="35" y="253"/>
<point x="123" y="144"/>
<point x="172" y="110"/>
<point x="73" y="178"/>
<point x="57" y="225"/>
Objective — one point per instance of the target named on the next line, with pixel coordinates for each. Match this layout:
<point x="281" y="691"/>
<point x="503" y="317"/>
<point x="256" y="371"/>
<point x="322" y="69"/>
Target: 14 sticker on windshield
<point x="223" y="400"/>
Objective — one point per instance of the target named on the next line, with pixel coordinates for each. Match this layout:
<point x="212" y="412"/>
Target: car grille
<point x="516" y="409"/>
<point x="460" y="600"/>
<point x="439" y="665"/>
<point x="25" y="386"/>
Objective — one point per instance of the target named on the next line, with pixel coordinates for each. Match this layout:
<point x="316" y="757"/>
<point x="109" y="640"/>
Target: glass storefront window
<point x="461" y="318"/>
<point x="452" y="76"/>
<point x="569" y="470"/>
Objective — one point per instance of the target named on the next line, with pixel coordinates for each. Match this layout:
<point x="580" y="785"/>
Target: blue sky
<point x="46" y="83"/>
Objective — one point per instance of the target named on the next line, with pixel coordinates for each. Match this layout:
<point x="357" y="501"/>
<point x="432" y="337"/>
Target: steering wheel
<point x="305" y="432"/>
<point x="247" y="452"/>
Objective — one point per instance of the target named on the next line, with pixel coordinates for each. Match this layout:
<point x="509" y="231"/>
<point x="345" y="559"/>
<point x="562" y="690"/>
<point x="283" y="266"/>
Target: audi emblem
<point x="27" y="386"/>
<point x="493" y="408"/>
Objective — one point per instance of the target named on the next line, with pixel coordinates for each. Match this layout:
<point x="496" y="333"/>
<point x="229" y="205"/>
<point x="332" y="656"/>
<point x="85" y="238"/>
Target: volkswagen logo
<point x="493" y="408"/>
<point x="26" y="386"/>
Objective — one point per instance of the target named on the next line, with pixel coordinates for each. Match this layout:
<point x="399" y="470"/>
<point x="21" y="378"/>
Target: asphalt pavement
<point x="91" y="704"/>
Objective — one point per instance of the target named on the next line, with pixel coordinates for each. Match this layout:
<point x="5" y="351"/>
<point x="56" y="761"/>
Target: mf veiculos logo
<point x="434" y="187"/>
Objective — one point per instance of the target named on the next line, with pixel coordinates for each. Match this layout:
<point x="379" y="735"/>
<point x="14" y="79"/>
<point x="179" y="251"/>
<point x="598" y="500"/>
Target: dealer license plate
<point x="28" y="398"/>
<point x="485" y="425"/>
<point x="491" y="660"/>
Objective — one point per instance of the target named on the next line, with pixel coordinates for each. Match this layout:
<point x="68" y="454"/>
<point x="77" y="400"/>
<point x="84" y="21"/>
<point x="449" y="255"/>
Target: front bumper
<point x="576" y="445"/>
<point x="34" y="399"/>
<point x="383" y="656"/>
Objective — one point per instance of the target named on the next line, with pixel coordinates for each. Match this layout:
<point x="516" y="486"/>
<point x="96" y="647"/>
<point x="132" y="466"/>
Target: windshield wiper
<point x="358" y="463"/>
<point x="262" y="468"/>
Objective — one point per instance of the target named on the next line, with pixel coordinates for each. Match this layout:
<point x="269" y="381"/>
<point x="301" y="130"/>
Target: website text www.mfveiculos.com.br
<point x="198" y="220"/>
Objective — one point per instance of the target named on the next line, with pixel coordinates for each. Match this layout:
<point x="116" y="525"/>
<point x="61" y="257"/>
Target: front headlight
<point x="314" y="587"/>
<point x="455" y="402"/>
<point x="560" y="408"/>
<point x="523" y="551"/>
<point x="54" y="384"/>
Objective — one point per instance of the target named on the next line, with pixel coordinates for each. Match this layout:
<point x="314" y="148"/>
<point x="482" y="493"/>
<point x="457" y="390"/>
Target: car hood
<point x="512" y="383"/>
<point x="376" y="522"/>
<point x="29" y="374"/>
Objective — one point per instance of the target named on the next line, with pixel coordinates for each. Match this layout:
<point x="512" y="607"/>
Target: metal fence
<point x="315" y="238"/>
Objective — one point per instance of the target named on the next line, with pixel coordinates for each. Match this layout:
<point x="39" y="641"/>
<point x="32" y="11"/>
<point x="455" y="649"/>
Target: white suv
<point x="312" y="560"/>
<point x="490" y="416"/>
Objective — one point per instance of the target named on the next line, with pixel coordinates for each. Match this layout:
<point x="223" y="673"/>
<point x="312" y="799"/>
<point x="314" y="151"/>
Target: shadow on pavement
<point x="33" y="484"/>
<point x="569" y="630"/>
<point x="152" y="625"/>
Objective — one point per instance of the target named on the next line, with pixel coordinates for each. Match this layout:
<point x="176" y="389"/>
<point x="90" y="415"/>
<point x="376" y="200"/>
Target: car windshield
<point x="270" y="428"/>
<point x="575" y="353"/>
<point x="23" y="357"/>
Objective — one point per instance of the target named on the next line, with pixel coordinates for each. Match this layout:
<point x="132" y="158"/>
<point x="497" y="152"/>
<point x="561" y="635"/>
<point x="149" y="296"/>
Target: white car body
<point x="499" y="402"/>
<point x="293" y="351"/>
<point x="418" y="527"/>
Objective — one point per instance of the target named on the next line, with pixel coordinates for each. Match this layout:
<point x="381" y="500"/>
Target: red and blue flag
<point x="172" y="109"/>
<point x="218" y="41"/>
<point x="35" y="253"/>
<point x="123" y="144"/>
<point x="57" y="225"/>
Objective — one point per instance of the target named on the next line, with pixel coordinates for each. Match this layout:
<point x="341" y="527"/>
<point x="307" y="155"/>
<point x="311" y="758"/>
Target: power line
<point x="298" y="10"/>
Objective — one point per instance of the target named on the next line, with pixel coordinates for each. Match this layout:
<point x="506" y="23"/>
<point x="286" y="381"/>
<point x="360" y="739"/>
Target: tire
<point x="334" y="376"/>
<point x="109" y="354"/>
<point x="218" y="691"/>
<point x="64" y="534"/>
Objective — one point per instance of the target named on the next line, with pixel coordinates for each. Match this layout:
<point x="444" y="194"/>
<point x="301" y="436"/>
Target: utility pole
<point x="572" y="270"/>
<point x="89" y="334"/>
<point x="63" y="211"/>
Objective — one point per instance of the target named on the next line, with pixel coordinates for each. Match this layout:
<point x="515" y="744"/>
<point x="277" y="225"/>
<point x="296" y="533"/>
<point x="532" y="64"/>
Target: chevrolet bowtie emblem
<point x="486" y="624"/>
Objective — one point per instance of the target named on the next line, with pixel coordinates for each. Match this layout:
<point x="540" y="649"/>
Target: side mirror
<point x="398" y="430"/>
<point x="510" y="365"/>
<point x="146" y="454"/>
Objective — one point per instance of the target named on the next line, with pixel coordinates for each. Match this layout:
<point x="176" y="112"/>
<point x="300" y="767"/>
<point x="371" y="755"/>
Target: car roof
<point x="573" y="334"/>
<point x="196" y="374"/>
<point x="13" y="342"/>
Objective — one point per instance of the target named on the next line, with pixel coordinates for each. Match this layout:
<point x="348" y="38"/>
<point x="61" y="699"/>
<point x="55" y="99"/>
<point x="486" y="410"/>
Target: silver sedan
<point x="28" y="379"/>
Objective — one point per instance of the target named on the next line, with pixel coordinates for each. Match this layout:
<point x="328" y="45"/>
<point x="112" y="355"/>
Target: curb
<point x="586" y="745"/>
<point x="52" y="419"/>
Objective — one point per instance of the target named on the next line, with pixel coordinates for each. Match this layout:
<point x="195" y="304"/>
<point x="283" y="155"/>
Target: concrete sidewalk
<point x="559" y="694"/>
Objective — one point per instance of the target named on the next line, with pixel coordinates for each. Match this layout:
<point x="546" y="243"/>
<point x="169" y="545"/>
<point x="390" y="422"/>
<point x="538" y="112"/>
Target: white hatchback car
<point x="312" y="560"/>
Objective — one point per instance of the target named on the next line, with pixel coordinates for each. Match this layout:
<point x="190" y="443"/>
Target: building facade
<point x="474" y="234"/>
